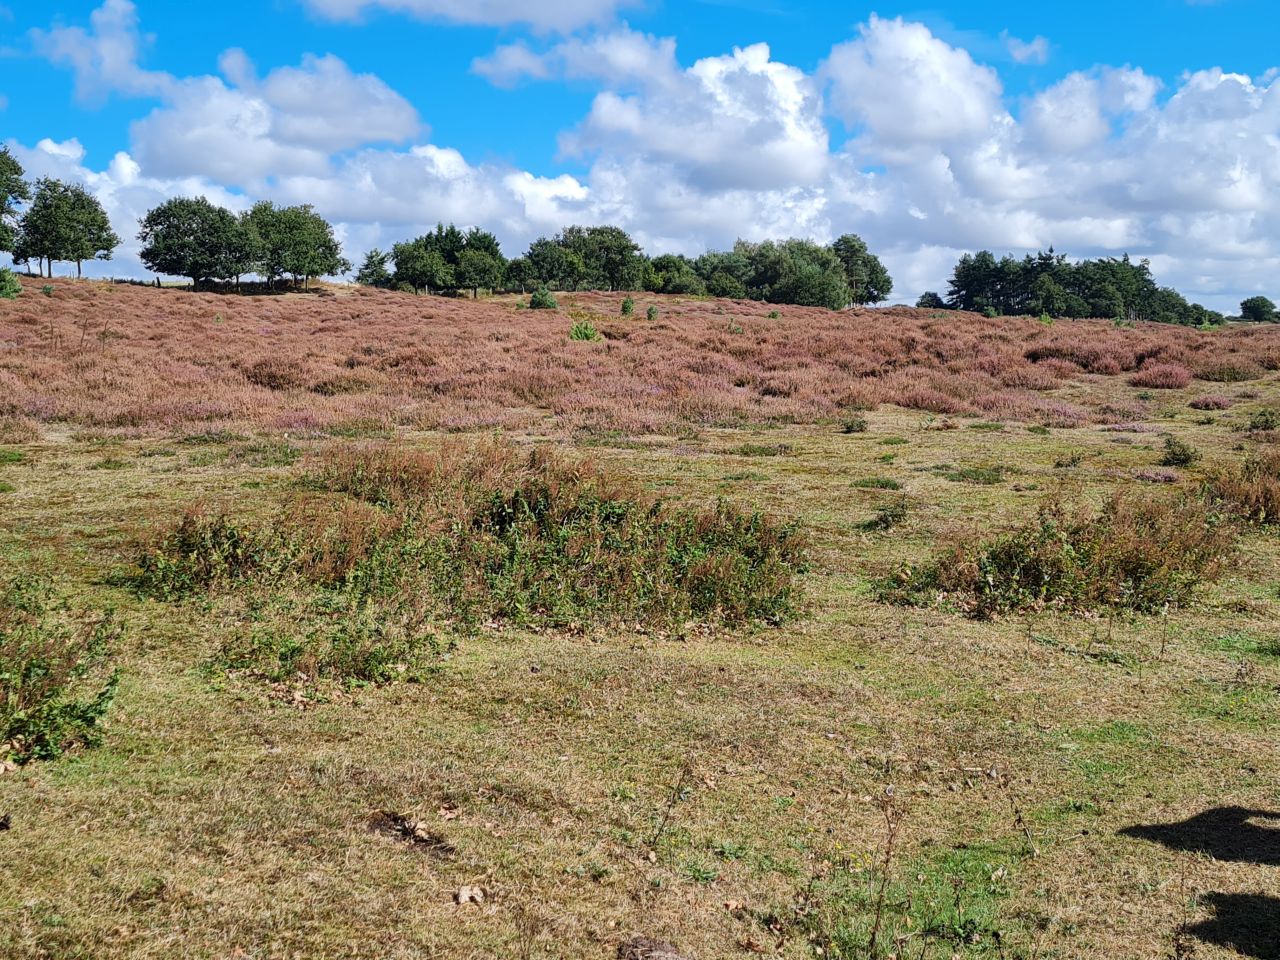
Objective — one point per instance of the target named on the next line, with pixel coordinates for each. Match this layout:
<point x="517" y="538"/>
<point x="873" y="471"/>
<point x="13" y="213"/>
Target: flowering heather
<point x="137" y="360"/>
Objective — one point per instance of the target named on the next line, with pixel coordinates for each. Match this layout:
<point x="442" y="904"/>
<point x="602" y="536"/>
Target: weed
<point x="774" y="315"/>
<point x="888" y="517"/>
<point x="53" y="691"/>
<point x="988" y="426"/>
<point x="6" y="487"/>
<point x="1040" y="430"/>
<point x="8" y="457"/>
<point x="763" y="450"/>
<point x="894" y="441"/>
<point x="854" y="423"/>
<point x="983" y="476"/>
<point x="1178" y="453"/>
<point x="1264" y="421"/>
<point x="47" y="290"/>
<point x="1069" y="460"/>
<point x="876" y="483"/>
<point x="1250" y="489"/>
<point x="1141" y="554"/>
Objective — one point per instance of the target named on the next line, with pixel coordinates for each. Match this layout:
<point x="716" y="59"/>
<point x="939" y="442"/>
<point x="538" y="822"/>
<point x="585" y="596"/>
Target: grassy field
<point x="868" y="779"/>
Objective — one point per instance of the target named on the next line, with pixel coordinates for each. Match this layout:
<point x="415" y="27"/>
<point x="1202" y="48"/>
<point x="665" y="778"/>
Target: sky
<point x="1098" y="128"/>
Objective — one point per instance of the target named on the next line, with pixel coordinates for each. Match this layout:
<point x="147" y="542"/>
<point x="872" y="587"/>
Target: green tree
<point x="796" y="271"/>
<point x="13" y="191"/>
<point x="419" y="264"/>
<point x="1259" y="310"/>
<point x="191" y="237"/>
<point x="867" y="279"/>
<point x="478" y="269"/>
<point x="610" y="258"/>
<point x="63" y="222"/>
<point x="929" y="300"/>
<point x="374" y="271"/>
<point x="675" y="274"/>
<point x="520" y="274"/>
<point x="309" y="247"/>
<point x="554" y="265"/>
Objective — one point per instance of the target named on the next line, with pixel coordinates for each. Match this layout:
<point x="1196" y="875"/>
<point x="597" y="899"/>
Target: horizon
<point x="930" y="134"/>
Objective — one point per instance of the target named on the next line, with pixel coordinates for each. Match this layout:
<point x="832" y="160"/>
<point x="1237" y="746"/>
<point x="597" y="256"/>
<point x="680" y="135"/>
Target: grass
<point x="701" y="785"/>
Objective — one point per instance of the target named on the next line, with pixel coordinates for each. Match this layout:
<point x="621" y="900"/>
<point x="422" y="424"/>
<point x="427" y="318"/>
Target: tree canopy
<point x="14" y="190"/>
<point x="448" y="259"/>
<point x="868" y="280"/>
<point x="1049" y="283"/>
<point x="191" y="237"/>
<point x="1259" y="310"/>
<point x="63" y="222"/>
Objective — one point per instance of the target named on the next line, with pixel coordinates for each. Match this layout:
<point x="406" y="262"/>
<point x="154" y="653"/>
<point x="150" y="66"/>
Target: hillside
<point x="883" y="634"/>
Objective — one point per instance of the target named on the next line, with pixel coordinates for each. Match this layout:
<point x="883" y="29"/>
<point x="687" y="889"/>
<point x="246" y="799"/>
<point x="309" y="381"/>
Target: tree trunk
<point x="79" y="275"/>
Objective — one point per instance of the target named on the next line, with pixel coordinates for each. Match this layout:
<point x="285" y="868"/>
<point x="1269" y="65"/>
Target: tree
<point x="520" y="274"/>
<point x="672" y="273"/>
<point x="63" y="222"/>
<point x="610" y="258"/>
<point x="308" y="247"/>
<point x="478" y="268"/>
<point x="795" y="271"/>
<point x="13" y="191"/>
<point x="929" y="300"/>
<point x="868" y="280"/>
<point x="191" y="237"/>
<point x="91" y="235"/>
<point x="554" y="265"/>
<point x="1259" y="310"/>
<point x="373" y="272"/>
<point x="420" y="265"/>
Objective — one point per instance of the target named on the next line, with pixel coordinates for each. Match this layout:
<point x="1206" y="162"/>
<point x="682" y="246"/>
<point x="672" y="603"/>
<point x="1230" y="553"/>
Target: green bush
<point x="472" y="534"/>
<point x="54" y="683"/>
<point x="888" y="517"/>
<point x="877" y="483"/>
<point x="542" y="300"/>
<point x="10" y="287"/>
<point x="854" y="423"/>
<point x="1136" y="553"/>
<point x="628" y="307"/>
<point x="1178" y="453"/>
<point x="584" y="330"/>
<point x="651" y="314"/>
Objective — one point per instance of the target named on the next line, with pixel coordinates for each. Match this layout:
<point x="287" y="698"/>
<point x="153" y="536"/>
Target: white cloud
<point x="938" y="161"/>
<point x="1026" y="51"/>
<point x="559" y="16"/>
<point x="105" y="57"/>
<point x="906" y="87"/>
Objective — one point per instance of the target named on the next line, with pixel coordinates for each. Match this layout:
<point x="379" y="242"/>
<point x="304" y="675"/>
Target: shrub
<point x="1162" y="376"/>
<point x="1250" y="489"/>
<point x="1137" y="553"/>
<point x="854" y="423"/>
<point x="10" y="286"/>
<point x="1211" y="402"/>
<point x="47" y="290"/>
<point x="651" y="314"/>
<point x="628" y="307"/>
<point x="54" y="686"/>
<point x="1264" y="421"/>
<point x="983" y="476"/>
<point x="1178" y="453"/>
<point x="584" y="330"/>
<point x="542" y="300"/>
<point x="1229" y="371"/>
<point x="888" y="517"/>
<point x="478" y="533"/>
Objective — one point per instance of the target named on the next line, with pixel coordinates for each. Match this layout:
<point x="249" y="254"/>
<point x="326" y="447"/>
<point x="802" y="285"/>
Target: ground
<point x="729" y="791"/>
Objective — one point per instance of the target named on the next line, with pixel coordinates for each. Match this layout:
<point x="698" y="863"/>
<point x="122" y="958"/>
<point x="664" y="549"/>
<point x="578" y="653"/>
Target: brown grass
<point x="136" y="361"/>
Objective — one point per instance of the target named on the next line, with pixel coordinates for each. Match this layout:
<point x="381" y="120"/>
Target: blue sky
<point x="1098" y="127"/>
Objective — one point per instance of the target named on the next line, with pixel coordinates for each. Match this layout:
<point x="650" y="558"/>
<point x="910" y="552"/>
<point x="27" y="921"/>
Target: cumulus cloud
<point x="558" y="16"/>
<point x="936" y="158"/>
<point x="1026" y="51"/>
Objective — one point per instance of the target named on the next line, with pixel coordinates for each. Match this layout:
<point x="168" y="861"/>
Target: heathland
<point x="358" y="623"/>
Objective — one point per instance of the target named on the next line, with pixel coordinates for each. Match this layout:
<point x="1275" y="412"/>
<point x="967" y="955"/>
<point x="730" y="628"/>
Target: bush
<point x="888" y="517"/>
<point x="877" y="483"/>
<point x="474" y="534"/>
<point x="1250" y="489"/>
<point x="1162" y="376"/>
<point x="628" y="307"/>
<point x="854" y="423"/>
<point x="1178" y="453"/>
<point x="1211" y="402"/>
<point x="1136" y="553"/>
<point x="54" y="688"/>
<point x="1229" y="371"/>
<point x="542" y="300"/>
<point x="10" y="287"/>
<point x="583" y="330"/>
<point x="1264" y="421"/>
<point x="651" y="314"/>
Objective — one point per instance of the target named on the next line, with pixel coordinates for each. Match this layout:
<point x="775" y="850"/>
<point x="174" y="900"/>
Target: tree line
<point x="1048" y="284"/>
<point x="607" y="258"/>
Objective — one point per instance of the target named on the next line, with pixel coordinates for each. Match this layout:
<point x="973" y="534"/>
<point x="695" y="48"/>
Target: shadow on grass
<point x="1244" y="922"/>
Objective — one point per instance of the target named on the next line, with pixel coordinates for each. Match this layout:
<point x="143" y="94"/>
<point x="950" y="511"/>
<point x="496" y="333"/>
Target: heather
<point x="135" y="361"/>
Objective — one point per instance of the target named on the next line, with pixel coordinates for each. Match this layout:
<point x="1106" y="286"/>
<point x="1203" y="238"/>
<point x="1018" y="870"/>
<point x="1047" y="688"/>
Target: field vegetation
<point x="362" y="623"/>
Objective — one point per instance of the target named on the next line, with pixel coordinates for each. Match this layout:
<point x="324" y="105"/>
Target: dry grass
<point x="718" y="790"/>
